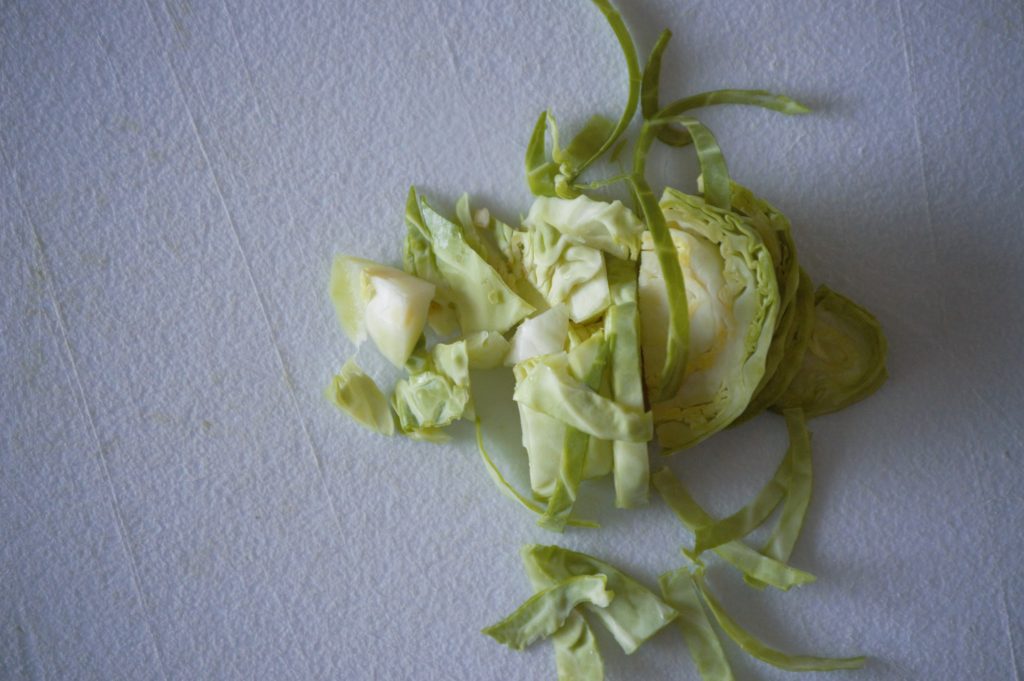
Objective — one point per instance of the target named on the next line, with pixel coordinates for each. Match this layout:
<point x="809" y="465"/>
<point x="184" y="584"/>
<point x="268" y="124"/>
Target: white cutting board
<point x="178" y="501"/>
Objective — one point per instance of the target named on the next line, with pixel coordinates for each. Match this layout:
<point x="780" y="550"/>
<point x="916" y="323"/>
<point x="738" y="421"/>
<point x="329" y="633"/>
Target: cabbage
<point x="548" y="387"/>
<point x="564" y="271"/>
<point x="541" y="335"/>
<point x="622" y="327"/>
<point x="481" y="299"/>
<point x="680" y="591"/>
<point x="753" y="565"/>
<point x="436" y="393"/>
<point x="547" y="610"/>
<point x="486" y="350"/>
<point x="608" y="227"/>
<point x="633" y="616"/>
<point x="756" y="648"/>
<point x="357" y="395"/>
<point x="844" y="361"/>
<point x="387" y="304"/>
<point x="733" y="304"/>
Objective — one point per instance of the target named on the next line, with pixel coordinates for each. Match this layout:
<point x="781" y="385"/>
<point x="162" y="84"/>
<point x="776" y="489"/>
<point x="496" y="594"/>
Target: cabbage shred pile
<point x="626" y="326"/>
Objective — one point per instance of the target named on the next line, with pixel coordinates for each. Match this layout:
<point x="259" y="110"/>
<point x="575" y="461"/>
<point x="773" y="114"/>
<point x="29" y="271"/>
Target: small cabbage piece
<point x="733" y="302"/>
<point x="357" y="395"/>
<point x="387" y="304"/>
<point x="486" y="349"/>
<point x="756" y="648"/>
<point x="436" y="394"/>
<point x="844" y="361"/>
<point x="480" y="297"/>
<point x="564" y="271"/>
<point x="679" y="590"/>
<point x="633" y="616"/>
<point x="608" y="227"/>
<point x="547" y="610"/>
<point x="541" y="335"/>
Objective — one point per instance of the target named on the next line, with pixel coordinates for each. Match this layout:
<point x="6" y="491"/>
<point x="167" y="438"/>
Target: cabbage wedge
<point x="733" y="304"/>
<point x="381" y="302"/>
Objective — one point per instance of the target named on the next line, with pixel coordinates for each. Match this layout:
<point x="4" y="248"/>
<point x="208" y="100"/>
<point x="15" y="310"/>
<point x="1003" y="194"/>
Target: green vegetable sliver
<point x="751" y="516"/>
<point x="633" y="97"/>
<point x="506" y="488"/>
<point x="678" y="331"/>
<point x="577" y="657"/>
<point x="679" y="591"/>
<point x="798" y="494"/>
<point x="748" y="561"/>
<point x="756" y="648"/>
<point x="546" y="611"/>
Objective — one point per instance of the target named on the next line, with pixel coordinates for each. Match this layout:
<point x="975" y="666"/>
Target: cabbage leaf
<point x="357" y="395"/>
<point x="547" y="610"/>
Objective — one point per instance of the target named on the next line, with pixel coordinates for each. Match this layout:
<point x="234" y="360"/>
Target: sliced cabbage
<point x="577" y="656"/>
<point x="587" y="363"/>
<point x="608" y="227"/>
<point x="622" y="327"/>
<point x="480" y="297"/>
<point x="633" y="616"/>
<point x="679" y="590"/>
<point x="564" y="271"/>
<point x="760" y="568"/>
<point x="547" y="610"/>
<point x="733" y="302"/>
<point x="387" y="304"/>
<point x="506" y="488"/>
<point x="844" y="361"/>
<point x="798" y="492"/>
<point x="436" y="394"/>
<point x="492" y="240"/>
<point x="548" y="387"/>
<point x="756" y="648"/>
<point x="357" y="395"/>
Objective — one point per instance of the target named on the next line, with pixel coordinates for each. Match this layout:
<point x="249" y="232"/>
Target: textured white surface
<point x="177" y="501"/>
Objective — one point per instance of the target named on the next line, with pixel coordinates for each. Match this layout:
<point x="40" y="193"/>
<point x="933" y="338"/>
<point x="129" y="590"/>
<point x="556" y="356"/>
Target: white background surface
<point x="177" y="501"/>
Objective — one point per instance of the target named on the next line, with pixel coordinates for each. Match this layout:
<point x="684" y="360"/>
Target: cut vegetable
<point x="679" y="590"/>
<point x="608" y="227"/>
<point x="387" y="304"/>
<point x="733" y="306"/>
<point x="752" y="564"/>
<point x="547" y="610"/>
<point x="357" y="395"/>
<point x="437" y="394"/>
<point x="633" y="616"/>
<point x="480" y="297"/>
<point x="844" y="361"/>
<point x="776" y="658"/>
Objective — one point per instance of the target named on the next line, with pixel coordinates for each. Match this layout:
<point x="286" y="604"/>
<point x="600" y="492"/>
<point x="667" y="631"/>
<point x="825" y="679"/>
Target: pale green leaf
<point x="679" y="590"/>
<point x="546" y="611"/>
<point x="633" y="616"/>
<point x="357" y="395"/>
